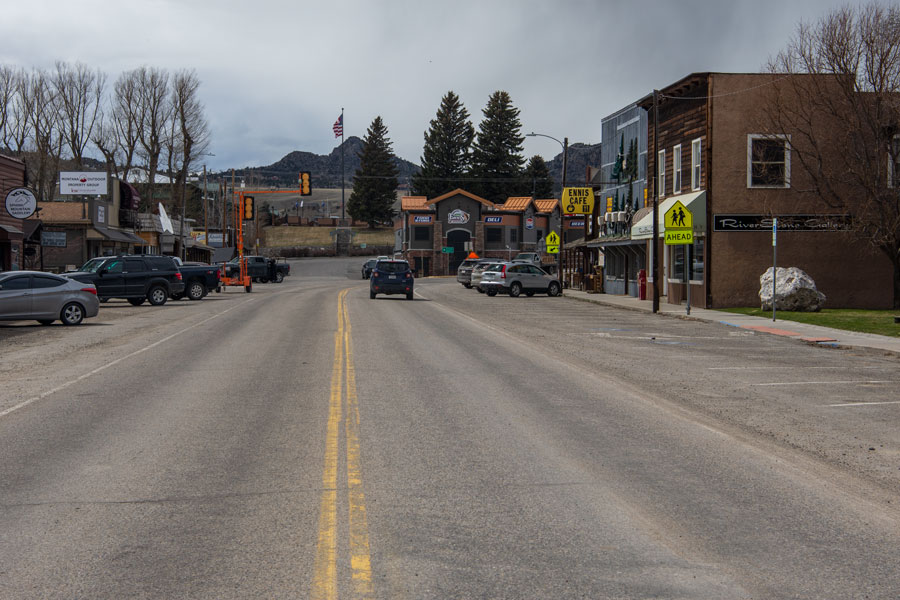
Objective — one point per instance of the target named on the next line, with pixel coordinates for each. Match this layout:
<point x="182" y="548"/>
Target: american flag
<point x="339" y="127"/>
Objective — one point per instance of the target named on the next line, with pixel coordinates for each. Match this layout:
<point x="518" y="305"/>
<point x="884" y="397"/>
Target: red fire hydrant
<point x="642" y="284"/>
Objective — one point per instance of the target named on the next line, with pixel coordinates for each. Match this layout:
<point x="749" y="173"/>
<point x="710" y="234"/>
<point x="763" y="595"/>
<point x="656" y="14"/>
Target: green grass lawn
<point x="865" y="321"/>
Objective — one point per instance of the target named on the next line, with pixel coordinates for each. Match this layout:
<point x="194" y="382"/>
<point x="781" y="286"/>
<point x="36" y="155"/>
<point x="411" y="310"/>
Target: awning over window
<point x="694" y="202"/>
<point x="9" y="229"/>
<point x="117" y="235"/>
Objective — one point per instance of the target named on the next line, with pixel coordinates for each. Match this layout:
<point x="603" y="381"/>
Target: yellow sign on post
<point x="553" y="243"/>
<point x="578" y="201"/>
<point x="679" y="224"/>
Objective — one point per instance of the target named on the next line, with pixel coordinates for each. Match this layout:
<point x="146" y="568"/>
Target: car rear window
<point x="392" y="266"/>
<point x="161" y="263"/>
<point x="497" y="267"/>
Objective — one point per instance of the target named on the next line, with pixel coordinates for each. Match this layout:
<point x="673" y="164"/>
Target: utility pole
<point x="654" y="253"/>
<point x="205" y="216"/>
<point x="562" y="220"/>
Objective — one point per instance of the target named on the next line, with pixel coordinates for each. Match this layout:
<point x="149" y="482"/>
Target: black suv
<point x="137" y="277"/>
<point x="391" y="277"/>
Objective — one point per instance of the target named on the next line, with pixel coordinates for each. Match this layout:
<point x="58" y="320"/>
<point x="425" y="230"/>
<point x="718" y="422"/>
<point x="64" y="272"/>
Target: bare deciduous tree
<point x="79" y="92"/>
<point x="843" y="106"/>
<point x="154" y="110"/>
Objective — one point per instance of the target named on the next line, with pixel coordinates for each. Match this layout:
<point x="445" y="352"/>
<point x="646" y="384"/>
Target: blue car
<point x="391" y="277"/>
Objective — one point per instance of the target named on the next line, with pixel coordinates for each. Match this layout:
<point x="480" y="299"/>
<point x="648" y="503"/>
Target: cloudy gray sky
<point x="275" y="74"/>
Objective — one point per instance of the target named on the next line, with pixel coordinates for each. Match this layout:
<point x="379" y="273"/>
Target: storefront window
<point x="695" y="259"/>
<point x="493" y="235"/>
<point x="421" y="234"/>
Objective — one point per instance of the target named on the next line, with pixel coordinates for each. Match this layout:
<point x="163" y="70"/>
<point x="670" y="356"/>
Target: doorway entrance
<point x="457" y="238"/>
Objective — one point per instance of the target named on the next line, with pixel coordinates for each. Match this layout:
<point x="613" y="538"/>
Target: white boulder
<point x="794" y="289"/>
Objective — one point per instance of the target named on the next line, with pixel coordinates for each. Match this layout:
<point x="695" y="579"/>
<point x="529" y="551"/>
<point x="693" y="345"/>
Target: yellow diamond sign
<point x="679" y="225"/>
<point x="678" y="217"/>
<point x="553" y="243"/>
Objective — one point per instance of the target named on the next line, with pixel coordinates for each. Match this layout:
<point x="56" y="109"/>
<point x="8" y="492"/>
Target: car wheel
<point x="135" y="301"/>
<point x="279" y="277"/>
<point x="104" y="299"/>
<point x="72" y="314"/>
<point x="515" y="289"/>
<point x="196" y="291"/>
<point x="529" y="293"/>
<point x="480" y="291"/>
<point x="468" y="286"/>
<point x="45" y="321"/>
<point x="409" y="295"/>
<point x="491" y="292"/>
<point x="553" y="289"/>
<point x="264" y="280"/>
<point x="371" y="295"/>
<point x="157" y="296"/>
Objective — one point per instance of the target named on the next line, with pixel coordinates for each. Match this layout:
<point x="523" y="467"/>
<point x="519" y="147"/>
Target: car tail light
<point x="503" y="273"/>
<point x="178" y="275"/>
<point x="91" y="290"/>
<point x="374" y="273"/>
<point x="408" y="274"/>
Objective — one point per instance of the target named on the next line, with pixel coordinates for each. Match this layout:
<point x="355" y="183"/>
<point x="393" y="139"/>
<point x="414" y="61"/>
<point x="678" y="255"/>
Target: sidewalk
<point x="810" y="334"/>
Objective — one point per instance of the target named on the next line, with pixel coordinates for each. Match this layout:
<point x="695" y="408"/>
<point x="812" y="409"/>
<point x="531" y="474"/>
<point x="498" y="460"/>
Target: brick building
<point x="717" y="155"/>
<point x="12" y="234"/>
<point x="464" y="222"/>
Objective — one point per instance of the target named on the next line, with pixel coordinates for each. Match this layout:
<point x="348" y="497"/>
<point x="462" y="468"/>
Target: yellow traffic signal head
<point x="248" y="208"/>
<point x="305" y="183"/>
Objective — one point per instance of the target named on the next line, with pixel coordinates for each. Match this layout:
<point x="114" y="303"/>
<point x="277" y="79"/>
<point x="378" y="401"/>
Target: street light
<point x="562" y="240"/>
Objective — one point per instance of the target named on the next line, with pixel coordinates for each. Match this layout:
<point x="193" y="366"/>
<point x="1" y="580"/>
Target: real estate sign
<point x="82" y="183"/>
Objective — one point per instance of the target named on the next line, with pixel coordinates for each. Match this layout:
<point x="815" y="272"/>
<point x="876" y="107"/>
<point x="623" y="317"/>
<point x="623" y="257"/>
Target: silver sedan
<point x="26" y="295"/>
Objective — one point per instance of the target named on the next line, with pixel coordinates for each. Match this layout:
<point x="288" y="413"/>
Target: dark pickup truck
<point x="260" y="269"/>
<point x="136" y="277"/>
<point x="199" y="278"/>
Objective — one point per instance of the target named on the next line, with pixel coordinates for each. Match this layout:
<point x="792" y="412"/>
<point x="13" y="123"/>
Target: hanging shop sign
<point x="20" y="203"/>
<point x="578" y="201"/>
<point x="77" y="183"/>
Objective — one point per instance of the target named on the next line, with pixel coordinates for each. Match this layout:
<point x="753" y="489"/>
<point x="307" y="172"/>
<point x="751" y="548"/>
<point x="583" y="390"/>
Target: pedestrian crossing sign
<point x="678" y="217"/>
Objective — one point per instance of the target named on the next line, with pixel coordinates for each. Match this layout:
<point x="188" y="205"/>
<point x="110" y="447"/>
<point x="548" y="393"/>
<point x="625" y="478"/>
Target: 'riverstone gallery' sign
<point x="785" y="222"/>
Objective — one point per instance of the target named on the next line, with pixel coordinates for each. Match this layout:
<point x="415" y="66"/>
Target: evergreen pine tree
<point x="538" y="173"/>
<point x="447" y="151"/>
<point x="497" y="153"/>
<point x="375" y="183"/>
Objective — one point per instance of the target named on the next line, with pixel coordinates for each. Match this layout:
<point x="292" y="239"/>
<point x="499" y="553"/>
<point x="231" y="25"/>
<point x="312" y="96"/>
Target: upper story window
<point x="676" y="169"/>
<point x="894" y="163"/>
<point x="661" y="170"/>
<point x="695" y="164"/>
<point x="768" y="161"/>
<point x="421" y="234"/>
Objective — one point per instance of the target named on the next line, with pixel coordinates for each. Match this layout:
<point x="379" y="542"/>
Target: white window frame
<point x="661" y="173"/>
<point x="696" y="154"/>
<point x="751" y="137"/>
<point x="891" y="172"/>
<point x="676" y="169"/>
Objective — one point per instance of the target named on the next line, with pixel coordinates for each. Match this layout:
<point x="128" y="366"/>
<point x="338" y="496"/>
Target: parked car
<point x="136" y="277"/>
<point x="44" y="297"/>
<point x="260" y="268"/>
<point x="198" y="279"/>
<point x="478" y="272"/>
<point x="391" y="277"/>
<point x="517" y="278"/>
<point x="464" y="271"/>
<point x="367" y="267"/>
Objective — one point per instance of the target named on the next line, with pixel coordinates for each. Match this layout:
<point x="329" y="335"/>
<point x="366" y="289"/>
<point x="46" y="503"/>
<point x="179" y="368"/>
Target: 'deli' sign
<point x="578" y="201"/>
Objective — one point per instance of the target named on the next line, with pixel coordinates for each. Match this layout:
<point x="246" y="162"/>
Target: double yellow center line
<point x="343" y="379"/>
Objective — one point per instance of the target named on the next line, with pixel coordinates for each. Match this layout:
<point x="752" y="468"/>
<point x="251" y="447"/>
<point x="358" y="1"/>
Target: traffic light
<point x="305" y="183"/>
<point x="248" y="208"/>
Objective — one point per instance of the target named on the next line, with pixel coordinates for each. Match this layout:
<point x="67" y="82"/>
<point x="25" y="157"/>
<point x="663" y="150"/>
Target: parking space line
<point x="863" y="403"/>
<point x="848" y="382"/>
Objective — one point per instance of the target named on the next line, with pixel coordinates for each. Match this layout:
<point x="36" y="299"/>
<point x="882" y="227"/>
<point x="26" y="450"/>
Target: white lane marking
<point x="823" y="382"/>
<point x="83" y="376"/>
<point x="864" y="403"/>
<point x="776" y="368"/>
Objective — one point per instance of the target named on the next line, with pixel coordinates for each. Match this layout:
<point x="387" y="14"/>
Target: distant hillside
<point x="581" y="156"/>
<point x="325" y="169"/>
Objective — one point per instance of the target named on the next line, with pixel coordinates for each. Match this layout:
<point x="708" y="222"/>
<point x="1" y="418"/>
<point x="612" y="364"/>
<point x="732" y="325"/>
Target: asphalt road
<point x="306" y="441"/>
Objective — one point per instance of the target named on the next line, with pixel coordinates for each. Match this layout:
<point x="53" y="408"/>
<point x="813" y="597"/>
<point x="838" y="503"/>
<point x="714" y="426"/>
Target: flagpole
<point x="342" y="163"/>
